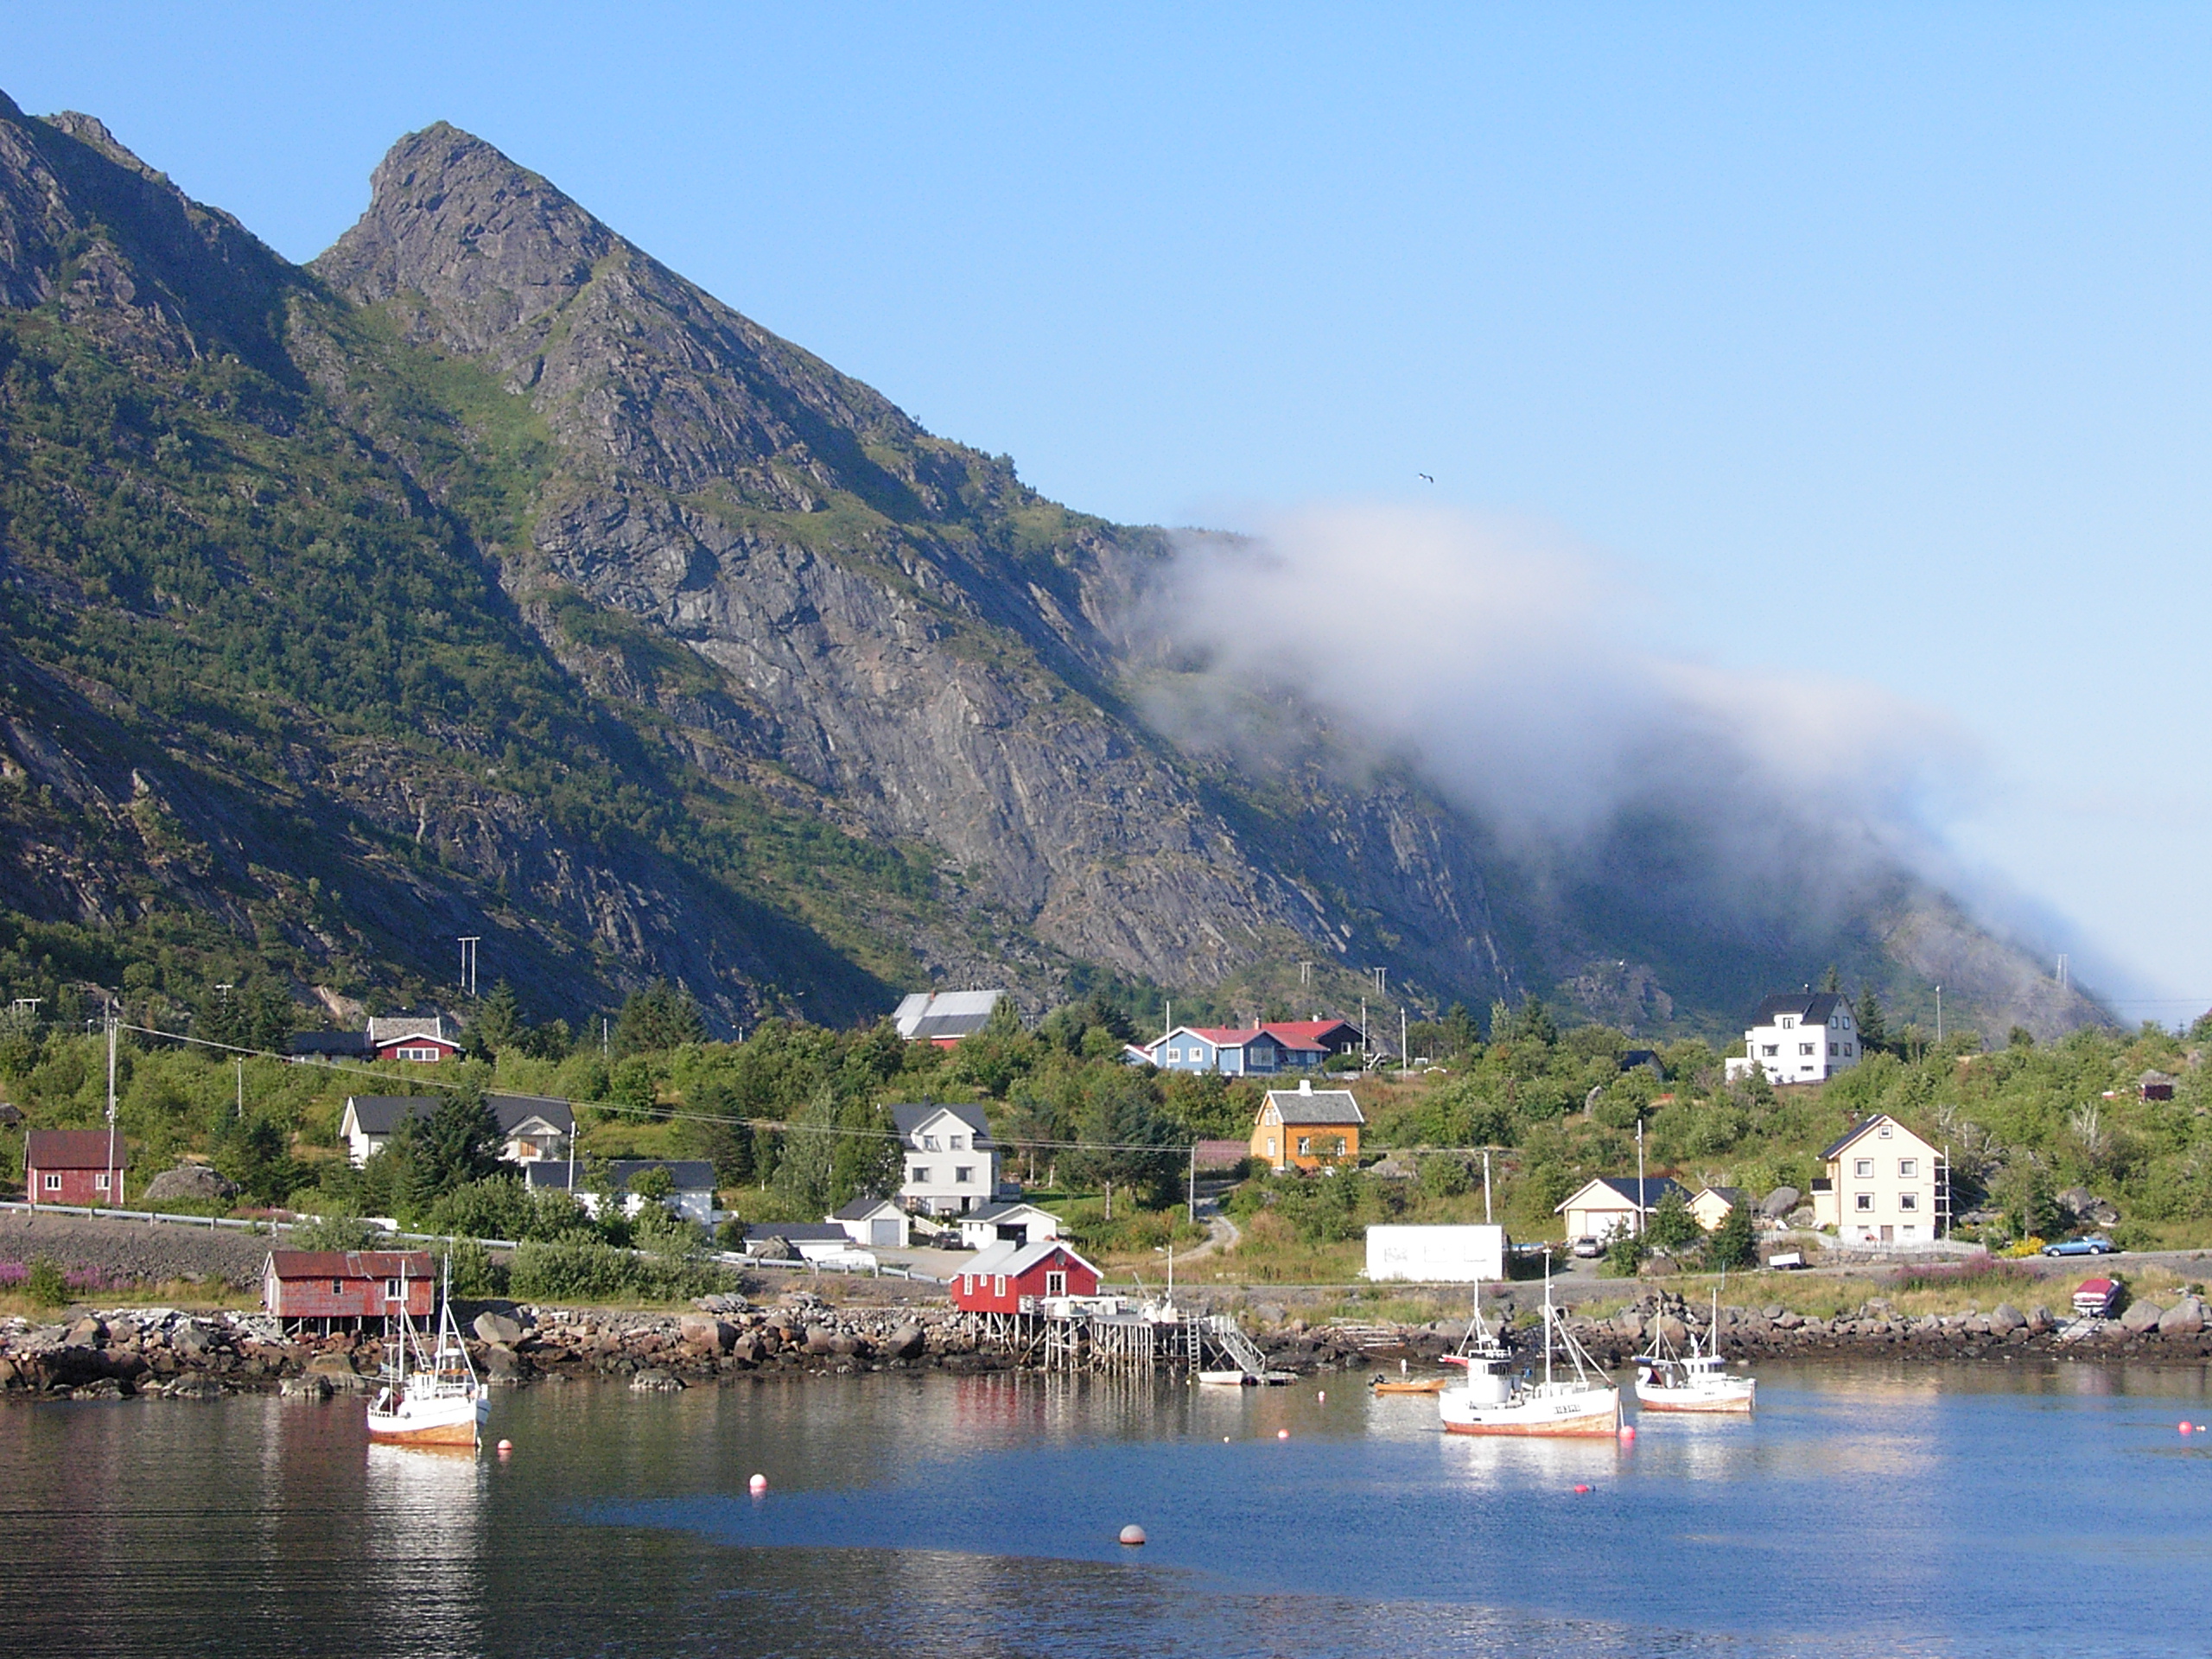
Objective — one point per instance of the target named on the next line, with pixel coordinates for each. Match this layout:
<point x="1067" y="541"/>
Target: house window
<point x="1056" y="1284"/>
<point x="963" y="1175"/>
<point x="1174" y="1053"/>
<point x="1788" y="1020"/>
<point x="337" y="1286"/>
<point x="1804" y="1048"/>
<point x="53" y="1182"/>
<point x="391" y="1290"/>
<point x="1908" y="1200"/>
<point x="928" y="1144"/>
<point x="100" y="1182"/>
<point x="999" y="1286"/>
<point x="1304" y="1146"/>
<point x="1865" y="1201"/>
<point x="1864" y="1169"/>
<point x="959" y="1143"/>
<point x="921" y="1176"/>
<point x="1834" y="1050"/>
<point x="1907" y="1168"/>
<point x="1847" y="1048"/>
<point x="1882" y="1134"/>
<point x="1770" y="1048"/>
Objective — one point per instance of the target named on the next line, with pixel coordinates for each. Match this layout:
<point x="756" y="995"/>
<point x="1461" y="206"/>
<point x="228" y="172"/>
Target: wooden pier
<point x="1105" y="1335"/>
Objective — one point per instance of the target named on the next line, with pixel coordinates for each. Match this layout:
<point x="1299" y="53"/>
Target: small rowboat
<point x="1411" y="1384"/>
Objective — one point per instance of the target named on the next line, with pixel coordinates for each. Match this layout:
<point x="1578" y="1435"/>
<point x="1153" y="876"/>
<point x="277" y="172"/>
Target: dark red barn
<point x="1005" y="1277"/>
<point x="350" y="1285"/>
<point x="74" y="1166"/>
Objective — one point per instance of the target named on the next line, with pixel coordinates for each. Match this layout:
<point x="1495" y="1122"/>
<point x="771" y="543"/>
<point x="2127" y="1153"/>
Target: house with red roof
<point x="348" y="1285"/>
<point x="85" y="1166"/>
<point x="1264" y="1049"/>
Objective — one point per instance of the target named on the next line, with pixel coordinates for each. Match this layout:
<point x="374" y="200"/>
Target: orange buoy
<point x="1628" y="1430"/>
<point x="1582" y="1489"/>
<point x="1282" y="1433"/>
<point x="1133" y="1535"/>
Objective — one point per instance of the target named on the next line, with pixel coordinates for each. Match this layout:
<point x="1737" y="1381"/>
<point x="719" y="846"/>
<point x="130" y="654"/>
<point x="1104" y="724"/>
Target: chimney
<point x="1305" y="1086"/>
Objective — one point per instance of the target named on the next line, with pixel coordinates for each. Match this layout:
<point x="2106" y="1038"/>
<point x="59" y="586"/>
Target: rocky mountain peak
<point x="491" y="246"/>
<point x="85" y="223"/>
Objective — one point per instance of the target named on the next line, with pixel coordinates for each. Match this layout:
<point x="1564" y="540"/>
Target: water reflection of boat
<point x="1697" y="1380"/>
<point x="1492" y="1400"/>
<point x="431" y="1396"/>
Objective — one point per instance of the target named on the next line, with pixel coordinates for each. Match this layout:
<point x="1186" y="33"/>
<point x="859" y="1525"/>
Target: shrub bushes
<point x="582" y="1270"/>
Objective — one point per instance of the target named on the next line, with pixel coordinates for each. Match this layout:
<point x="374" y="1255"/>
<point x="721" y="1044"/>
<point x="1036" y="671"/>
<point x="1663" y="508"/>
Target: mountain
<point x="485" y="577"/>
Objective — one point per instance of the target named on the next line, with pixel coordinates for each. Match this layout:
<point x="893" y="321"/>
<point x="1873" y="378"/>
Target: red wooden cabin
<point x="1002" y="1278"/>
<point x="74" y="1166"/>
<point x="348" y="1285"/>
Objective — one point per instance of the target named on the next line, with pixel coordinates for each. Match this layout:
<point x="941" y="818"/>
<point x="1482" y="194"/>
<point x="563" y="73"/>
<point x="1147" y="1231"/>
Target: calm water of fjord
<point x="1867" y="1511"/>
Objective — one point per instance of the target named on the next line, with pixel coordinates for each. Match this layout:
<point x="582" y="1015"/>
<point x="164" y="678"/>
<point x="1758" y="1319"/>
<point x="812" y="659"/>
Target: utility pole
<point x="1939" y="1016"/>
<point x="1305" y="975"/>
<point x="468" y="944"/>
<point x="1192" y="1191"/>
<point x="241" y="1091"/>
<point x="1486" y="1185"/>
<point x="114" y="1192"/>
<point x="1640" y="1194"/>
<point x="1362" y="1033"/>
<point x="1405" y="1049"/>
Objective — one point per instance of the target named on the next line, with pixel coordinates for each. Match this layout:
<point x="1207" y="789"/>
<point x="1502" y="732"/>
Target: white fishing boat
<point x="431" y="1394"/>
<point x="1493" y="1401"/>
<point x="1697" y="1380"/>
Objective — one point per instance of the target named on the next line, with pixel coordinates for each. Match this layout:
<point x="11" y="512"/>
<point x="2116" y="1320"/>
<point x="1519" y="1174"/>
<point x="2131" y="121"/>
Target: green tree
<point x="456" y="1142"/>
<point x="1671" y="1225"/>
<point x="1831" y="981"/>
<point x="661" y="1016"/>
<point x="1873" y="1028"/>
<point x="499" y="1022"/>
<point x="1624" y="1254"/>
<point x="1733" y="1244"/>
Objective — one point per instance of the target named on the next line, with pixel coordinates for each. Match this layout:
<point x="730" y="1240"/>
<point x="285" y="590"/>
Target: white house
<point x="1807" y="1038"/>
<point x="693" y="1199"/>
<point x="1610" y="1204"/>
<point x="951" y="1162"/>
<point x="1020" y="1223"/>
<point x="813" y="1241"/>
<point x="875" y="1222"/>
<point x="531" y="1127"/>
<point x="1884" y="1185"/>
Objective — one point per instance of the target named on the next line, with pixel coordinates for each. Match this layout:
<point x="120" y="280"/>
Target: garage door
<point x="883" y="1232"/>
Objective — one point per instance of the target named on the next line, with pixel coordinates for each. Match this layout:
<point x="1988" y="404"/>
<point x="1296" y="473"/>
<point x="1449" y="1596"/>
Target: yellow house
<point x="1711" y="1204"/>
<point x="1884" y="1185"/>
<point x="1612" y="1204"/>
<point x="1307" y="1127"/>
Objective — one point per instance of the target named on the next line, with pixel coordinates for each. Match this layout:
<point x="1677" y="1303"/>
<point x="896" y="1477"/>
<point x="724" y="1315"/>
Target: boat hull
<point x="458" y="1422"/>
<point x="1739" y="1400"/>
<point x="1425" y="1385"/>
<point x="1587" y="1413"/>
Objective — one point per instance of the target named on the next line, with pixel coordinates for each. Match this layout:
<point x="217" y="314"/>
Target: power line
<point x="781" y="1126"/>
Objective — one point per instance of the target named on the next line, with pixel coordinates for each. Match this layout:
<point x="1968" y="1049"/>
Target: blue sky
<point x="1870" y="340"/>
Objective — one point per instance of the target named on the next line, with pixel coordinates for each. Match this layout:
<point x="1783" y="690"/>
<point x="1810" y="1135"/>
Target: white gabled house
<point x="693" y="1177"/>
<point x="951" y="1162"/>
<point x="1016" y="1224"/>
<point x="1806" y="1038"/>
<point x="531" y="1127"/>
<point x="1884" y="1185"/>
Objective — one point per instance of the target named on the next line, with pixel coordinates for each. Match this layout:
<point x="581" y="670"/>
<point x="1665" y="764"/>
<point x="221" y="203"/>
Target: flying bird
<point x="1424" y="475"/>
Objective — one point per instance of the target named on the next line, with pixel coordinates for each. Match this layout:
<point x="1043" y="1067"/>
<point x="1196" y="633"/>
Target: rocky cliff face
<point x="487" y="577"/>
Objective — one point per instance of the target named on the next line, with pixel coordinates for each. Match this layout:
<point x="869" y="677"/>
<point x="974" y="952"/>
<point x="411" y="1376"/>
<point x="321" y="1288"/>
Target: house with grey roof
<point x="1799" y="1038"/>
<point x="875" y="1221"/>
<point x="945" y="1017"/>
<point x="693" y="1177"/>
<point x="531" y="1127"/>
<point x="951" y="1164"/>
<point x="1308" y="1127"/>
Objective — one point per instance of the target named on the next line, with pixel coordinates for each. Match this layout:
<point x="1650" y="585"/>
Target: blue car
<point x="2094" y="1244"/>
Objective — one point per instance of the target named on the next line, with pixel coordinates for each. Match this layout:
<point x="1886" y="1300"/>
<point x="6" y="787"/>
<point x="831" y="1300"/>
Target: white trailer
<point x="1456" y="1256"/>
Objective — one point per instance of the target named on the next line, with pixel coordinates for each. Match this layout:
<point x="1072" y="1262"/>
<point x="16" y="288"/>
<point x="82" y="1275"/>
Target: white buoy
<point x="1282" y="1433"/>
<point x="1322" y="1395"/>
<point x="757" y="1485"/>
<point x="1133" y="1535"/>
<point x="505" y="1446"/>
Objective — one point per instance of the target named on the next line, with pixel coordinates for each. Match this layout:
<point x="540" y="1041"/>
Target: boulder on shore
<point x="2184" y="1319"/>
<point x="2006" y="1318"/>
<point x="499" y="1328"/>
<point x="2141" y="1317"/>
<point x="190" y="1184"/>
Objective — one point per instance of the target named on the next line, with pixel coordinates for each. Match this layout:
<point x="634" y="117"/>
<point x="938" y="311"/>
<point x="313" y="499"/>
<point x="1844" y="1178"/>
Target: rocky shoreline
<point x="167" y="1353"/>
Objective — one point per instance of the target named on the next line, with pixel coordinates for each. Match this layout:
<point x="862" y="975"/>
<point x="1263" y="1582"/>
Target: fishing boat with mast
<point x="431" y="1394"/>
<point x="1697" y="1380"/>
<point x="1493" y="1401"/>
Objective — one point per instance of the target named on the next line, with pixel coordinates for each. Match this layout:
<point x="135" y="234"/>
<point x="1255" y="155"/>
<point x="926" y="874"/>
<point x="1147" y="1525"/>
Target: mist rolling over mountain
<point x="485" y="577"/>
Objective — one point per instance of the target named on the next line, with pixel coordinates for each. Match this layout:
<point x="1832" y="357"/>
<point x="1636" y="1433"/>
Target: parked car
<point x="2096" y="1298"/>
<point x="2091" y="1244"/>
<point x="1589" y="1247"/>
